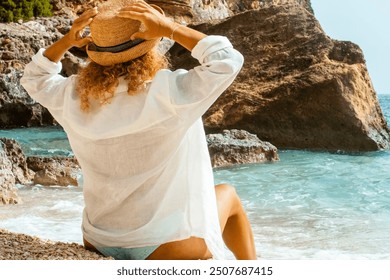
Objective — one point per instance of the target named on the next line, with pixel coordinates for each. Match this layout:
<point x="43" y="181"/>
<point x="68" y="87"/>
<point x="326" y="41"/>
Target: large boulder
<point x="54" y="171"/>
<point x="298" y="87"/>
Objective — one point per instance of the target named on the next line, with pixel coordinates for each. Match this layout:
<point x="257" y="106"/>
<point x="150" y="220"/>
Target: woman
<point x="136" y="130"/>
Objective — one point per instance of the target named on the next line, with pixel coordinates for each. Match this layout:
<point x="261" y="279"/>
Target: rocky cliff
<point x="298" y="87"/>
<point x="19" y="41"/>
<point x="196" y="11"/>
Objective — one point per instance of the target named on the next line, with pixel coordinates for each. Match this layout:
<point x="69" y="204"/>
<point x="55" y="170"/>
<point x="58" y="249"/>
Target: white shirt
<point x="147" y="174"/>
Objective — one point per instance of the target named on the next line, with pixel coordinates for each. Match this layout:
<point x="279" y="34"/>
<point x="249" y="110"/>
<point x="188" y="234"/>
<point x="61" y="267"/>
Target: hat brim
<point x="108" y="58"/>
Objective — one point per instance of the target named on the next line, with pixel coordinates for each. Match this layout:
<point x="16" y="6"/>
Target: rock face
<point x="17" y="109"/>
<point x="18" y="43"/>
<point x="298" y="88"/>
<point x="239" y="147"/>
<point x="197" y="11"/>
<point x="8" y="192"/>
<point x="15" y="155"/>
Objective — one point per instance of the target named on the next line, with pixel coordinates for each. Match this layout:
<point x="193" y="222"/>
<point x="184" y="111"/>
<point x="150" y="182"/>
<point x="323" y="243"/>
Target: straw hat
<point x="111" y="35"/>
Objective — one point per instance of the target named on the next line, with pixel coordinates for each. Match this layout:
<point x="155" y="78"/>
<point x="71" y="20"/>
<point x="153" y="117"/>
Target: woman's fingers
<point x="136" y="9"/>
<point x="78" y="25"/>
<point x="90" y="13"/>
<point x="136" y="13"/>
<point x="132" y="15"/>
<point x="82" y="42"/>
<point x="146" y="16"/>
<point x="86" y="17"/>
<point x="138" y="5"/>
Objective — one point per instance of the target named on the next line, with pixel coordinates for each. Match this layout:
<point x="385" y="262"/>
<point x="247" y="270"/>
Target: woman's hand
<point x="73" y="38"/>
<point x="154" y="24"/>
<point x="75" y="35"/>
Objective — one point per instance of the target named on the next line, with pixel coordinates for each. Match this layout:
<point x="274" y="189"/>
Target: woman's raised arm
<point x="73" y="38"/>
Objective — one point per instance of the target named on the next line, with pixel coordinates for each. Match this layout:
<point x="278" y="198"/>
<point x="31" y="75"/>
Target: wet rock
<point x="298" y="87"/>
<point x="54" y="171"/>
<point x="239" y="147"/>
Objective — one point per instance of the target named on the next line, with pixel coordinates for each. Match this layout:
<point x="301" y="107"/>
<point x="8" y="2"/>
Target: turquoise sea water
<point x="308" y="205"/>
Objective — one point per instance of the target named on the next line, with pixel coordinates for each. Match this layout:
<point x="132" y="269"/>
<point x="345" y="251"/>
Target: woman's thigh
<point x="193" y="248"/>
<point x="196" y="248"/>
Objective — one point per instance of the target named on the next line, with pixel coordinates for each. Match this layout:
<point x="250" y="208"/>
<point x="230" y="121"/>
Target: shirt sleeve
<point x="42" y="81"/>
<point x="193" y="92"/>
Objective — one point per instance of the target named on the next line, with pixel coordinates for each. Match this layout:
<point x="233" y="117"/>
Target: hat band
<point x="116" y="49"/>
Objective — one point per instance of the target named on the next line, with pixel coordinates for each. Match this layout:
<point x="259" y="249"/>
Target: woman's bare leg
<point x="193" y="248"/>
<point x="235" y="226"/>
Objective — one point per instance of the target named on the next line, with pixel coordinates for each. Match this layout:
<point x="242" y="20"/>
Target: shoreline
<point x="19" y="246"/>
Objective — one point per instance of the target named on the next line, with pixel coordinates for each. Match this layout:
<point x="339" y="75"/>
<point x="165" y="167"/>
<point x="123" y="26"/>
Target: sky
<point x="366" y="23"/>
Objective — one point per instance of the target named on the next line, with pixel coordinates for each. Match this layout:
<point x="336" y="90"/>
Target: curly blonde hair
<point x="100" y="82"/>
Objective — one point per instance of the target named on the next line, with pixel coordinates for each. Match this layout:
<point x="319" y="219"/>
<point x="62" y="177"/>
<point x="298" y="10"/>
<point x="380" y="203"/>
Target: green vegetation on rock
<point x="14" y="10"/>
